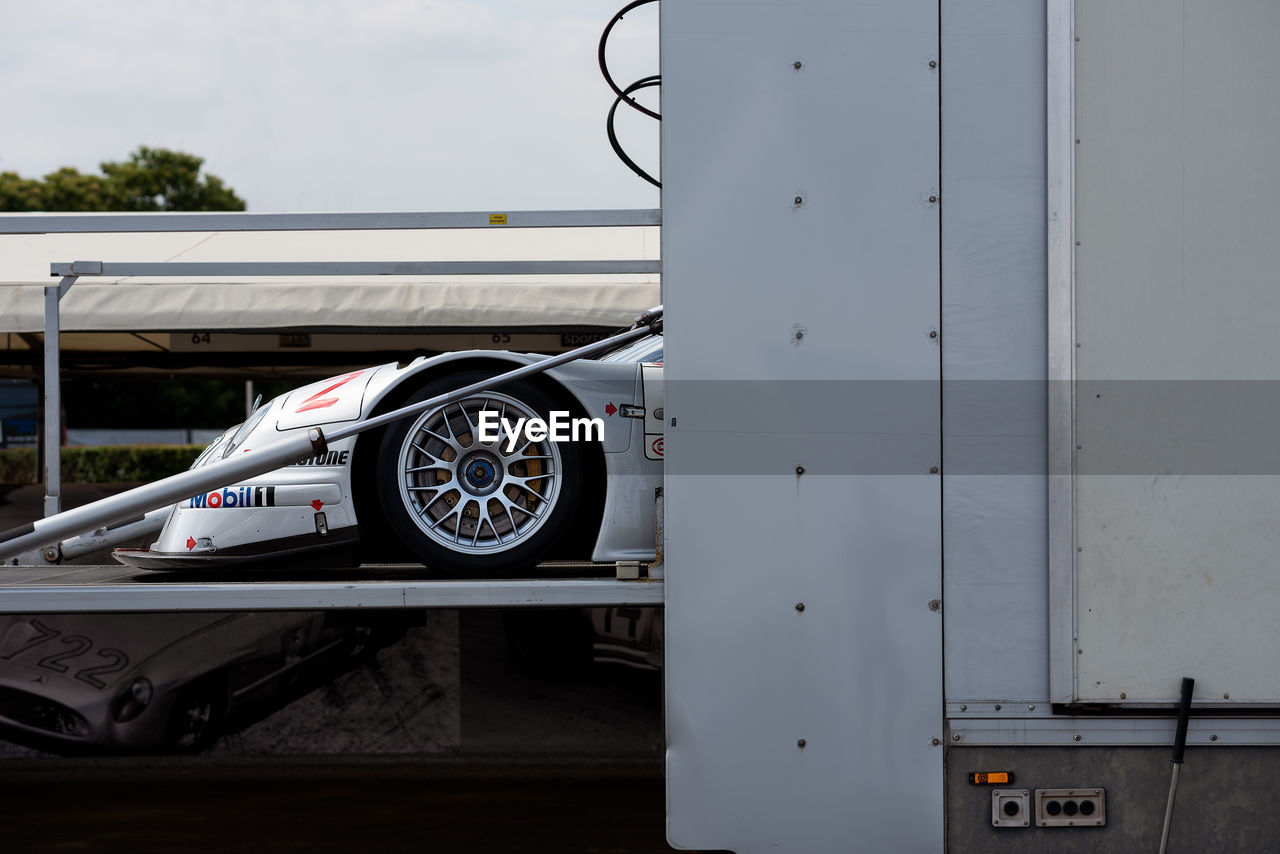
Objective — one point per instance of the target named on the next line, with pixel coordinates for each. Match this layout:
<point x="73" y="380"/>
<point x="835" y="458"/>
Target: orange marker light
<point x="986" y="777"/>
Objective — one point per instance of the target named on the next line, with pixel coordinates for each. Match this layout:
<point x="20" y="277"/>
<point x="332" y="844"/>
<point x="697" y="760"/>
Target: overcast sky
<point x="331" y="105"/>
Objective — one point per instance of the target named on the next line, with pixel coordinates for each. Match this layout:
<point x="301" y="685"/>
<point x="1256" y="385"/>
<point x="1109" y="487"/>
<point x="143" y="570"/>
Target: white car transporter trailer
<point x="970" y="401"/>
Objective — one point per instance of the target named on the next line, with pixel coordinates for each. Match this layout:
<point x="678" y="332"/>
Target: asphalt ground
<point x="197" y="805"/>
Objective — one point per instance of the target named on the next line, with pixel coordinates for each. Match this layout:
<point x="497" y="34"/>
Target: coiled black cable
<point x="624" y="95"/>
<point x="642" y="83"/>
<point x="604" y="65"/>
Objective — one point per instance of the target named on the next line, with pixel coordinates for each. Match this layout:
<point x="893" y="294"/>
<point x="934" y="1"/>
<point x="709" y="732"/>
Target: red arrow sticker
<point x="319" y="401"/>
<point x="610" y="409"/>
<point x="317" y="504"/>
<point x="191" y="543"/>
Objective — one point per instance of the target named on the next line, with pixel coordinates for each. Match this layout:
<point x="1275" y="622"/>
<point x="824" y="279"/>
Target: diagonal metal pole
<point x="647" y="324"/>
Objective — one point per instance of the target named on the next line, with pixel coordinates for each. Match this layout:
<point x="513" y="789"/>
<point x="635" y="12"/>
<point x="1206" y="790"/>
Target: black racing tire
<point x="465" y="507"/>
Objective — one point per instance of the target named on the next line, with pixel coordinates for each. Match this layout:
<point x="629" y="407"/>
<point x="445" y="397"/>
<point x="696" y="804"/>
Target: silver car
<point x="163" y="682"/>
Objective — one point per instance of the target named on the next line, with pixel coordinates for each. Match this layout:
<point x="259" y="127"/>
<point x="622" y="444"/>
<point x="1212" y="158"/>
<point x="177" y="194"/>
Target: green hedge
<point x="102" y="465"/>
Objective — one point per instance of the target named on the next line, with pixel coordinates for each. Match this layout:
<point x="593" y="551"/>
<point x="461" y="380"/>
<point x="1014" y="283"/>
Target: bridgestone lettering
<point x="329" y="458"/>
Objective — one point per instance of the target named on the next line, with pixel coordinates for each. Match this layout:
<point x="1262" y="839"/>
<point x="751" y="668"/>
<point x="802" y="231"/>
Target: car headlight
<point x="245" y="429"/>
<point x="211" y="450"/>
<point x="18" y="637"/>
<point x="134" y="700"/>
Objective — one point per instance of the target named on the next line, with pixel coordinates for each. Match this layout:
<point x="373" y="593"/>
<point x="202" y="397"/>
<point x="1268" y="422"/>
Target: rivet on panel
<point x="800" y="743"/>
<point x="1226" y="696"/>
<point x="933" y="333"/>
<point x="997" y="707"/>
<point x="1123" y="695"/>
<point x="799" y="200"/>
<point x="935" y="742"/>
<point x="1213" y="738"/>
<point x="933" y="469"/>
<point x="800" y="606"/>
<point x="1031" y="707"/>
<point x="964" y="707"/>
<point x="799" y="470"/>
<point x="1077" y="737"/>
<point x="955" y="736"/>
<point x="935" y="605"/>
<point x="797" y="65"/>
<point x="933" y="63"/>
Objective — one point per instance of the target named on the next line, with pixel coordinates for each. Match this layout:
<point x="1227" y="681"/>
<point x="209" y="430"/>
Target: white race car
<point x="431" y="487"/>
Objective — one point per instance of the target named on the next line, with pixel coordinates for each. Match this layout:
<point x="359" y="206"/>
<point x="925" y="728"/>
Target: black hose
<point x="642" y="83"/>
<point x="623" y="95"/>
<point x="1179" y="747"/>
<point x="1184" y="715"/>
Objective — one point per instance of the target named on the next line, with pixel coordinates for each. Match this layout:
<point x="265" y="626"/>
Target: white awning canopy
<point x="336" y="303"/>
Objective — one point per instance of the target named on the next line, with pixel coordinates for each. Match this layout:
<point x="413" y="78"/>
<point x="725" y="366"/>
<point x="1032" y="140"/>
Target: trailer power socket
<point x="1010" y="807"/>
<point x="1071" y="807"/>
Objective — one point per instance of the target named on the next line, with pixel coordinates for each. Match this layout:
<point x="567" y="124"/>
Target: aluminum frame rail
<point x="70" y="272"/>
<point x="371" y="221"/>
<point x="236" y="269"/>
<point x="84" y="589"/>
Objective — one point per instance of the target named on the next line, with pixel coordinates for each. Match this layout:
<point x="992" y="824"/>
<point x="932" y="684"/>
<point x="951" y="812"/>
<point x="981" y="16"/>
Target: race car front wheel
<point x="472" y="504"/>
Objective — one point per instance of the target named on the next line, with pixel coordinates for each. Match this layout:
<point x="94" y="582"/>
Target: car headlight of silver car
<point x="133" y="701"/>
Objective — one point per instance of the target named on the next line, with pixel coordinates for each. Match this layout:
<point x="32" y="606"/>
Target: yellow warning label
<point x="497" y="219"/>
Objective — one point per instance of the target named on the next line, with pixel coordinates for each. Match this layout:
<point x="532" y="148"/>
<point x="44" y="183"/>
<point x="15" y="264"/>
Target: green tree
<point x="20" y="194"/>
<point x="152" y="179"/>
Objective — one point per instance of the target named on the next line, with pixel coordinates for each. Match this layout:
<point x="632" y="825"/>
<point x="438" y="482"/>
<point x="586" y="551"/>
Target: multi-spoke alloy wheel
<point x="470" y="506"/>
<point x="474" y="496"/>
